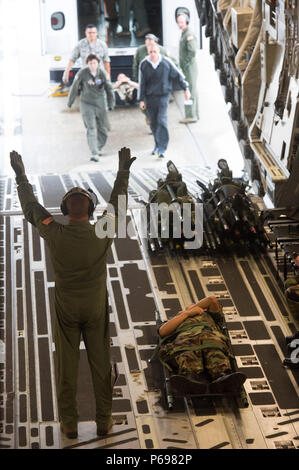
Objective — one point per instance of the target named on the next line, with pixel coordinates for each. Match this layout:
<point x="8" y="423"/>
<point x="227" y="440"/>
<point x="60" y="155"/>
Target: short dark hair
<point x="92" y="57"/>
<point x="90" y="26"/>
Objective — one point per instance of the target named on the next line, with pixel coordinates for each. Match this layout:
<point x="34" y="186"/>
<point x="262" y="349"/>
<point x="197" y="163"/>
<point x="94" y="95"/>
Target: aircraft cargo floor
<point x="140" y="282"/>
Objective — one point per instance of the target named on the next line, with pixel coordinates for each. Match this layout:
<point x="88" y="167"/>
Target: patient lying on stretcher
<point x="194" y="349"/>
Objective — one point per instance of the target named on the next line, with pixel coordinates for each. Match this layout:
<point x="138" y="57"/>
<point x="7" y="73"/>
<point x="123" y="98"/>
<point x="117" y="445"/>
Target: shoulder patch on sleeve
<point x="189" y="38"/>
<point x="47" y="221"/>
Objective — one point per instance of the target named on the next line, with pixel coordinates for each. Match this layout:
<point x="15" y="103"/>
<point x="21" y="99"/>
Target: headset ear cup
<point x="93" y="200"/>
<point x="91" y="209"/>
<point x="92" y="203"/>
<point x="63" y="208"/>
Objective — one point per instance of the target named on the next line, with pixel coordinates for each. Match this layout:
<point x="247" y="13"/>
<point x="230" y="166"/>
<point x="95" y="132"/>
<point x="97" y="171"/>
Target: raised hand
<point x="17" y="163"/>
<point x="124" y="159"/>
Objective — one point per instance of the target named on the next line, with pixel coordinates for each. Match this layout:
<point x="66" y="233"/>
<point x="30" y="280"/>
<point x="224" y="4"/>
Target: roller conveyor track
<point x="139" y="283"/>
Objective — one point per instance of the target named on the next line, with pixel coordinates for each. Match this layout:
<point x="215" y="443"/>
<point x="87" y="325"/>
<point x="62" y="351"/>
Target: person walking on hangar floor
<point x="141" y="53"/>
<point x="156" y="76"/>
<point x="91" y="44"/>
<point x="79" y="259"/>
<point x="92" y="83"/>
<point x="187" y="57"/>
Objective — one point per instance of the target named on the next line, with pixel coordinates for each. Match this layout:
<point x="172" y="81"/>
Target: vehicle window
<point x="57" y="20"/>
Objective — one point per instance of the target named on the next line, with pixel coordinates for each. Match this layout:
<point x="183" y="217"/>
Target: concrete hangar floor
<point x="53" y="144"/>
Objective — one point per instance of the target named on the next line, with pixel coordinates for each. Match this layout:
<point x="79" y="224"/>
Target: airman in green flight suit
<point x="78" y="256"/>
<point x="94" y="86"/>
<point x="187" y="57"/>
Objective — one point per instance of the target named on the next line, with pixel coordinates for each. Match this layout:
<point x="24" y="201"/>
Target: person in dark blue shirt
<point x="156" y="76"/>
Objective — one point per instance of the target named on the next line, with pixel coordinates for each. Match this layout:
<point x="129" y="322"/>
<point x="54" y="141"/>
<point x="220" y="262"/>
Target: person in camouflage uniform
<point x="125" y="88"/>
<point x="192" y="344"/>
<point x="91" y="44"/>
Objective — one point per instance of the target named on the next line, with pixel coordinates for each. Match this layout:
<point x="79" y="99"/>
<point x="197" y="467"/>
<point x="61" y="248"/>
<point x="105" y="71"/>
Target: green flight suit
<point x="81" y="300"/>
<point x="92" y="90"/>
<point x="187" y="54"/>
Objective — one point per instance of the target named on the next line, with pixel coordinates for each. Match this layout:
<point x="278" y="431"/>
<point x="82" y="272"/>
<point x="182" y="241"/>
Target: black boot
<point x="187" y="386"/>
<point x="228" y="383"/>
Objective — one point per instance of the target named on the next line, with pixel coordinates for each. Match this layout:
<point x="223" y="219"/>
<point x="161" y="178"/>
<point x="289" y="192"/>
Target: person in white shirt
<point x="156" y="76"/>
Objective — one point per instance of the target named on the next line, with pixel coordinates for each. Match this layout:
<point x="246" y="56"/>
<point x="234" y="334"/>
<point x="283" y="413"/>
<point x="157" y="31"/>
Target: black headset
<point x="182" y="11"/>
<point x="92" y="197"/>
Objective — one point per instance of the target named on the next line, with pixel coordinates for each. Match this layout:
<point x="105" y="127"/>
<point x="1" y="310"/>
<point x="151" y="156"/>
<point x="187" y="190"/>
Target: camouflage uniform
<point x="126" y="92"/>
<point x="84" y="48"/>
<point x="197" y="344"/>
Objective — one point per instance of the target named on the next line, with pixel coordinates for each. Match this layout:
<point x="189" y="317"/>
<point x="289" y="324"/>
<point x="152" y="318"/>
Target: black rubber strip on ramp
<point x="277" y="376"/>
<point x="257" y="291"/>
<point x="237" y="288"/>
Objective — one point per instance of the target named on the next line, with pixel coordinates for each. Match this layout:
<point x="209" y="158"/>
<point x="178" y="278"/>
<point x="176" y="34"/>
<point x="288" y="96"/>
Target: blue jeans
<point x="157" y="107"/>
